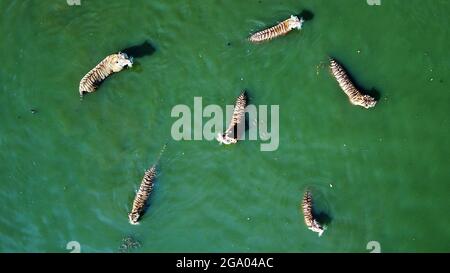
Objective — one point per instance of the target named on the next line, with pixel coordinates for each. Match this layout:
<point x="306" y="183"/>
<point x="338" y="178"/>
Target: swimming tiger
<point x="354" y="95"/>
<point x="310" y="222"/>
<point x="230" y="135"/>
<point x="111" y="64"/>
<point x="282" y="28"/>
<point x="142" y="195"/>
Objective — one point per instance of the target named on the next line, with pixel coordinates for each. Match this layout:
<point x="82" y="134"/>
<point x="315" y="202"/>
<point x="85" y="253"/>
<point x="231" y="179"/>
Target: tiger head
<point x="225" y="139"/>
<point x="133" y="217"/>
<point x="294" y="22"/>
<point x="316" y="227"/>
<point x="121" y="60"/>
<point x="367" y="101"/>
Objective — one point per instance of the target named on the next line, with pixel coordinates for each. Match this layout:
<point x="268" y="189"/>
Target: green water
<point x="69" y="170"/>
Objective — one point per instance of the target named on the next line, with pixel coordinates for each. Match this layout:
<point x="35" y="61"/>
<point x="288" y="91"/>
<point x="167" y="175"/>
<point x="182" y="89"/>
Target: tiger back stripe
<point x="239" y="112"/>
<point x="271" y="33"/>
<point x="109" y="65"/>
<point x="342" y="78"/>
<point x="142" y="195"/>
<point x="307" y="207"/>
<point x="91" y="80"/>
<point x="355" y="96"/>
<point x="281" y="29"/>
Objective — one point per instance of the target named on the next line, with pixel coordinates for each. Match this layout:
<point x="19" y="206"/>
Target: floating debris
<point x="128" y="244"/>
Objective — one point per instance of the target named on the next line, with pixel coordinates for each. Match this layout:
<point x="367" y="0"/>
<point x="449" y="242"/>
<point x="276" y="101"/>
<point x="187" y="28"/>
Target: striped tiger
<point x="281" y="29"/>
<point x="230" y="136"/>
<point x="307" y="207"/>
<point x="142" y="195"/>
<point x="111" y="64"/>
<point x="354" y="95"/>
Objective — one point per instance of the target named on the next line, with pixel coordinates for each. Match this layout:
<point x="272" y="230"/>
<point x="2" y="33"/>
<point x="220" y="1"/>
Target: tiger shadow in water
<point x="371" y="92"/>
<point x="307" y="15"/>
<point x="322" y="217"/>
<point x="139" y="51"/>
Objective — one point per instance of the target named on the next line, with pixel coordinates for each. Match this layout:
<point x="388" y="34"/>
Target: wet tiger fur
<point x="354" y="95"/>
<point x="111" y="64"/>
<point x="307" y="207"/>
<point x="282" y="28"/>
<point x="142" y="195"/>
<point x="230" y="135"/>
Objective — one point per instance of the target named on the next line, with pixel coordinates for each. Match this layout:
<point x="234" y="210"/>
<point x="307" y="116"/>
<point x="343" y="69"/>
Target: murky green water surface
<point x="69" y="169"/>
